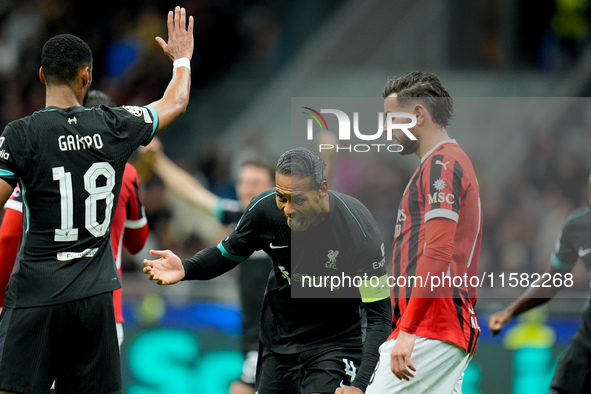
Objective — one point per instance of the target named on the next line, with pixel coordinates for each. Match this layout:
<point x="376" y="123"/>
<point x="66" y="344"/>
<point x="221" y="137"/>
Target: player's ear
<point x="420" y="112"/>
<point x="41" y="75"/>
<point x="86" y="75"/>
<point x="323" y="189"/>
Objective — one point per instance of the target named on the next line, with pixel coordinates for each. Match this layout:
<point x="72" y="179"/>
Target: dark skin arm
<point x="180" y="44"/>
<point x="533" y="297"/>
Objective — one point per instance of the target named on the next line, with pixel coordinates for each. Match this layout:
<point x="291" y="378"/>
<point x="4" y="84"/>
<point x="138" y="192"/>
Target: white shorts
<point x="440" y="369"/>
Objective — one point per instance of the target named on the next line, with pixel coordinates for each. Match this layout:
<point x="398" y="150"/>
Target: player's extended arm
<point x="10" y="237"/>
<point x="379" y="326"/>
<point x="183" y="184"/>
<point x="439" y="238"/>
<point x="169" y="269"/>
<point x="180" y="45"/>
<point x="533" y="297"/>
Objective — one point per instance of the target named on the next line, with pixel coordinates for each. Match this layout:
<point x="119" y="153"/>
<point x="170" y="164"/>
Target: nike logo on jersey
<point x="277" y="246"/>
<point x="444" y="165"/>
<point x="584" y="252"/>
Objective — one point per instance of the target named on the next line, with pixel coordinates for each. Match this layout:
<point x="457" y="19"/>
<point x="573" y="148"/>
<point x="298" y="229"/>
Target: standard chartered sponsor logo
<point x="66" y="256"/>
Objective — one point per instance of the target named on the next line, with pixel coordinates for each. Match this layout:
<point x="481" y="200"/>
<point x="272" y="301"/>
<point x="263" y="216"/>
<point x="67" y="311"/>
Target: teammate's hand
<point x="180" y="36"/>
<point x="400" y="363"/>
<point x="348" y="390"/>
<point x="167" y="270"/>
<point x="497" y="321"/>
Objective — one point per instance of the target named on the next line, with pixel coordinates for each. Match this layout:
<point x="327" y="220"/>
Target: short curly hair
<point x="62" y="58"/>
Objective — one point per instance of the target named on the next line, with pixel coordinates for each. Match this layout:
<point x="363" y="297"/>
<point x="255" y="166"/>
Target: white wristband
<point x="182" y="62"/>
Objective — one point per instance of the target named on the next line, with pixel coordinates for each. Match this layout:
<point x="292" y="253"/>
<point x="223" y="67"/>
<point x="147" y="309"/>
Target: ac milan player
<point x="438" y="232"/>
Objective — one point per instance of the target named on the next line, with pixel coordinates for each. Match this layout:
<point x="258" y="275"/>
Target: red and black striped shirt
<point x="444" y="186"/>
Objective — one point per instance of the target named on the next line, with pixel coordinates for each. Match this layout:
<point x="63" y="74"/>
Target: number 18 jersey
<point x="69" y="163"/>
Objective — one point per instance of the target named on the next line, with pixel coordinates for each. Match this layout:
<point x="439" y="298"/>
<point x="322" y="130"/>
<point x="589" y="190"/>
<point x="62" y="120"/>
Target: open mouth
<point x="294" y="222"/>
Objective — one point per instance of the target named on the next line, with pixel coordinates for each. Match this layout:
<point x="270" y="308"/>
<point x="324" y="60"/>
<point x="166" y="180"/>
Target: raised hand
<point x="180" y="36"/>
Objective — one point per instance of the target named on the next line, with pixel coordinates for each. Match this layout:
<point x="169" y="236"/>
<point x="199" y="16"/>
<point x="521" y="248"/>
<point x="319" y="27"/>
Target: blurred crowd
<point x="128" y="63"/>
<point x="522" y="215"/>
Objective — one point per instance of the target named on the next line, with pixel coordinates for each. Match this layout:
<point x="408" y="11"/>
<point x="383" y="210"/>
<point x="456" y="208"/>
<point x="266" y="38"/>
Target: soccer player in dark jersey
<point x="574" y="244"/>
<point x="438" y="233"/>
<point x="58" y="320"/>
<point x="255" y="176"/>
<point x="308" y="345"/>
<point x="129" y="227"/>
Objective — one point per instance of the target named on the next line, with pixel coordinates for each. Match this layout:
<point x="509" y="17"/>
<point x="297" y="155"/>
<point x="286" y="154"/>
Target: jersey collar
<point x="66" y="111"/>
<point x="452" y="141"/>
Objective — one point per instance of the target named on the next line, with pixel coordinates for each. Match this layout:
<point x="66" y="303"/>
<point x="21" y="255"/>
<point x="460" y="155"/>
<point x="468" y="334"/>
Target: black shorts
<point x="313" y="371"/>
<point x="573" y="373"/>
<point x="74" y="343"/>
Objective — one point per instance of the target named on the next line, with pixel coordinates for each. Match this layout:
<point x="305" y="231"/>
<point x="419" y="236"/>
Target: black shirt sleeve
<point x="379" y="326"/>
<point x="565" y="254"/>
<point x="137" y="124"/>
<point x="231" y="251"/>
<point x="14" y="153"/>
<point x="207" y="264"/>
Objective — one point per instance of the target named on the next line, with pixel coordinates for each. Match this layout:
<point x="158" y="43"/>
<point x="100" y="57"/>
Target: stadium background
<point x="251" y="57"/>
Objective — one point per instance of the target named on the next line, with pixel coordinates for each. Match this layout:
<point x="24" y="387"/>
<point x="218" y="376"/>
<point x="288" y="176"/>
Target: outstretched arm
<point x="169" y="269"/>
<point x="379" y="326"/>
<point x="533" y="297"/>
<point x="177" y="180"/>
<point x="564" y="258"/>
<point x="180" y="45"/>
<point x="166" y="270"/>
